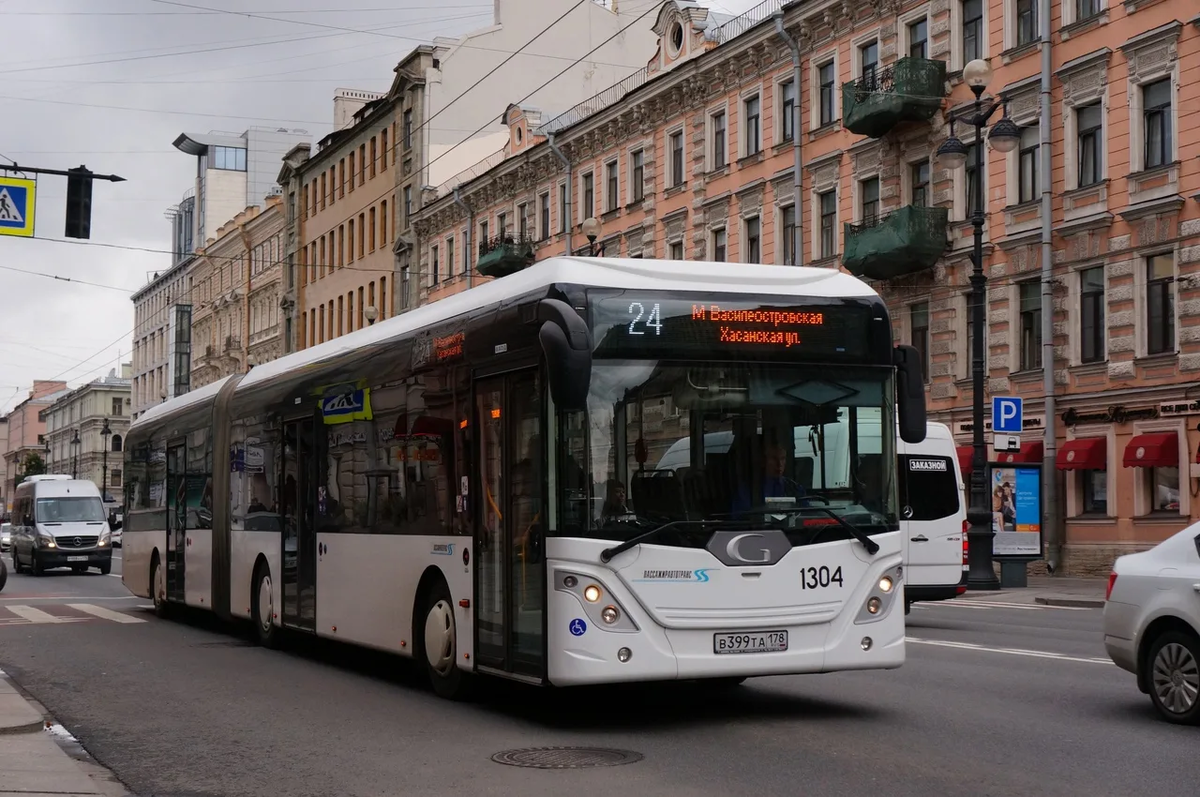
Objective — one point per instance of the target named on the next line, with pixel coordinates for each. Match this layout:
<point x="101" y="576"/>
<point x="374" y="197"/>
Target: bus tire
<point x="262" y="610"/>
<point x="158" y="589"/>
<point x="439" y="645"/>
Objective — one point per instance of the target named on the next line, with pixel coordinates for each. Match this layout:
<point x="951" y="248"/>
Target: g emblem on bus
<point x="740" y="549"/>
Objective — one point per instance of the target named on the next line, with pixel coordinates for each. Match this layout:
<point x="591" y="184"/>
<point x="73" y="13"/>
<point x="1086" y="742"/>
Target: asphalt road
<point x="994" y="700"/>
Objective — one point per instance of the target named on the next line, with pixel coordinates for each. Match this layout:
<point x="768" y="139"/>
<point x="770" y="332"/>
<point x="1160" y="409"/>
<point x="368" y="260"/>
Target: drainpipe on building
<point x="467" y="237"/>
<point x="246" y="299"/>
<point x="798" y="165"/>
<point x="570" y="191"/>
<point x="1053" y="512"/>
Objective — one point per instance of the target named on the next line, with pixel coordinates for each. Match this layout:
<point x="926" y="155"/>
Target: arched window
<point x="116" y="442"/>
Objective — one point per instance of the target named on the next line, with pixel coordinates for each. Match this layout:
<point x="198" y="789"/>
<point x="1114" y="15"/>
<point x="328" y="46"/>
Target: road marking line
<point x="971" y="603"/>
<point x="71" y="597"/>
<point x="106" y="614"/>
<point x="36" y="615"/>
<point x="1038" y="654"/>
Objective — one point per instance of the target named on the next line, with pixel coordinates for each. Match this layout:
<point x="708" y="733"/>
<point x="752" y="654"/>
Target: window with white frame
<point x="637" y="175"/>
<point x="434" y="265"/>
<point x="1029" y="299"/>
<point x="544" y="213"/>
<point x="1091" y="315"/>
<point x="718" y="245"/>
<point x="612" y="188"/>
<point x="563" y="210"/>
<point x="868" y="200"/>
<point x="1093" y="488"/>
<point x="787" y="244"/>
<point x="919" y="185"/>
<point x="1162" y="487"/>
<point x="501" y="224"/>
<point x="1157" y="123"/>
<point x="483" y="232"/>
<point x="1160" y="304"/>
<point x="918" y="38"/>
<point x="523" y="221"/>
<point x="752" y="125"/>
<point x="827" y="92"/>
<point x="588" y="195"/>
<point x="1025" y="22"/>
<point x="1027" y="164"/>
<point x="868" y="64"/>
<point x="827" y="213"/>
<point x="1086" y="9"/>
<point x="675" y="147"/>
<point x="918" y="334"/>
<point x="973" y="44"/>
<point x="718" y="153"/>
<point x="787" y="110"/>
<point x="752" y="240"/>
<point x="1089" y="143"/>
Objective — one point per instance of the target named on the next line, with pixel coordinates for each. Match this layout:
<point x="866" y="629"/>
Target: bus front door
<point x="299" y="543"/>
<point x="510" y="571"/>
<point x="177" y="510"/>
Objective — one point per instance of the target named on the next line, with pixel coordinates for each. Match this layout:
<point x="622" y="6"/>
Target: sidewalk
<point x="33" y="763"/>
<point x="1049" y="591"/>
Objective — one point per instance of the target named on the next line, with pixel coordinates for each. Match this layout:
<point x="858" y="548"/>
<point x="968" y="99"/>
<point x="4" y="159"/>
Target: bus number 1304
<point x="820" y="577"/>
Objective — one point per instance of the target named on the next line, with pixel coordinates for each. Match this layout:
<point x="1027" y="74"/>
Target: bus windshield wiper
<point x="858" y="534"/>
<point x="608" y="553"/>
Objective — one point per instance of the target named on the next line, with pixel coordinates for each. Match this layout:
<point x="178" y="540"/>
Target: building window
<point x="232" y="159"/>
<point x="1027" y="165"/>
<point x="350" y="253"/>
<point x="718" y="140"/>
<point x="1095" y="491"/>
<point x="918" y="323"/>
<point x="1089" y="120"/>
<point x="868" y="63"/>
<point x="501" y="224"/>
<point x="637" y="180"/>
<point x="118" y="407"/>
<point x="1163" y="484"/>
<point x="918" y="39"/>
<point x="676" y="140"/>
<point x="1156" y="122"/>
<point x="1091" y="315"/>
<point x="403" y="289"/>
<point x="383" y="149"/>
<point x="789" y="235"/>
<point x="868" y="200"/>
<point x="562" y="208"/>
<point x="450" y="256"/>
<point x="589" y="195"/>
<point x="373" y="235"/>
<point x="919" y="175"/>
<point x="827" y="88"/>
<point x="522" y="222"/>
<point x="972" y="32"/>
<point x="676" y="250"/>
<point x="753" y="127"/>
<point x="718" y="242"/>
<point x="114" y="477"/>
<point x="1030" y="298"/>
<point x="434" y="274"/>
<point x="787" y="93"/>
<point x="1027" y="31"/>
<point x="1160" y="304"/>
<point x="408" y="128"/>
<point x="828" y="202"/>
<point x="1086" y="9"/>
<point x="544" y="213"/>
<point x="973" y="177"/>
<point x="374" y="156"/>
<point x="612" y="187"/>
<point x="752" y="252"/>
<point x="407" y="203"/>
<point x="483" y="232"/>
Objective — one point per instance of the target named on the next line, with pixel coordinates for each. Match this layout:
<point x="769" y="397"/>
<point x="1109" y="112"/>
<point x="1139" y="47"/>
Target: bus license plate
<point x="76" y="558"/>
<point x="757" y="642"/>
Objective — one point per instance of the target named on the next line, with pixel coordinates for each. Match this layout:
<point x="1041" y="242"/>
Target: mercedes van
<point x="933" y="518"/>
<point x="59" y="522"/>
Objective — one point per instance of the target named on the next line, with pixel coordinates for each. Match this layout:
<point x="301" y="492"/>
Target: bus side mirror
<point x="910" y="394"/>
<point x="567" y="343"/>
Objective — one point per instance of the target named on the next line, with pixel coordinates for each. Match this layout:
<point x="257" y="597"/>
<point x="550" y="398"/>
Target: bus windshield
<point x="800" y="446"/>
<point x="70" y="510"/>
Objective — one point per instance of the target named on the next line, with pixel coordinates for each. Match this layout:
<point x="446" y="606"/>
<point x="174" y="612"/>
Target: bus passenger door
<point x="298" y="547"/>
<point x="510" y="572"/>
<point x="176" y="519"/>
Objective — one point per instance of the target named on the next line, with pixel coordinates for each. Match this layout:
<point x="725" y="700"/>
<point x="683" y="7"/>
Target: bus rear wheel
<point x="440" y="646"/>
<point x="158" y="589"/>
<point x="263" y="609"/>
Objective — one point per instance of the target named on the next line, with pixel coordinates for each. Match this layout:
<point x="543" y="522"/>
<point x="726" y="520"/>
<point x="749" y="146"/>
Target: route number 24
<point x="820" y="577"/>
<point x="637" y="310"/>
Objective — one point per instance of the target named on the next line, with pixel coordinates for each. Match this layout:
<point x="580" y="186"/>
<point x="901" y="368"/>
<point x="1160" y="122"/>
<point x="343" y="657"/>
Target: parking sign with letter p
<point x="1007" y="415"/>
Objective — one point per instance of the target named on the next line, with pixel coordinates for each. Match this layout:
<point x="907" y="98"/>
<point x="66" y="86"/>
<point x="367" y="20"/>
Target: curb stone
<point x="1078" y="603"/>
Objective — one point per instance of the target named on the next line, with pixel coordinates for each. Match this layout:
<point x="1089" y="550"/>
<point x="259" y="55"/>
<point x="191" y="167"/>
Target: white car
<point x="5" y="537"/>
<point x="1152" y="623"/>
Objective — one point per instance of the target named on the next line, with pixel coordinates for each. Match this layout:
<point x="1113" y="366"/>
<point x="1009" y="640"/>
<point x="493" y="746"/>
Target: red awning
<point x="965" y="455"/>
<point x="1158" y="450"/>
<point x="1083" y="453"/>
<point x="1031" y="452"/>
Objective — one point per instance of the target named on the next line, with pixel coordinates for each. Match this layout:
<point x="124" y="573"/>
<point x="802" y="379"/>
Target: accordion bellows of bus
<point x="588" y="471"/>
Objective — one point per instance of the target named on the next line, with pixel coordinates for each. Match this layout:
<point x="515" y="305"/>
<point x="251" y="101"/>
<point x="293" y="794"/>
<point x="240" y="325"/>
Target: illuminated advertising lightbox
<point x="648" y="326"/>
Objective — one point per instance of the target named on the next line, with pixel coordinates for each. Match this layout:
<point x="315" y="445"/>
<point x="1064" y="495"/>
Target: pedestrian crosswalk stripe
<point x="105" y="614"/>
<point x="35" y="615"/>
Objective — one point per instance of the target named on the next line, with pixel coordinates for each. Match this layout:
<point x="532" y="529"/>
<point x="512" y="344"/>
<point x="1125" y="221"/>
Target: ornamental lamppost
<point x="1005" y="136"/>
<point x="75" y="443"/>
<point x="591" y="229"/>
<point x="105" y="433"/>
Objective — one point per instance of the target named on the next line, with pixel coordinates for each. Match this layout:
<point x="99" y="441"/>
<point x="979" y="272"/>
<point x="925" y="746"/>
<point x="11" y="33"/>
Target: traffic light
<point x="79" y="203"/>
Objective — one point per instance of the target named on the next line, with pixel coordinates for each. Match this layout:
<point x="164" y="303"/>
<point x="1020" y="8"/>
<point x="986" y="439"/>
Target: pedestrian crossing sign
<point x="17" y="200"/>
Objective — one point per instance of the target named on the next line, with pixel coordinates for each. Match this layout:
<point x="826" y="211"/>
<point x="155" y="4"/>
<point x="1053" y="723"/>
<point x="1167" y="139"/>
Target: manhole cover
<point x="566" y="757"/>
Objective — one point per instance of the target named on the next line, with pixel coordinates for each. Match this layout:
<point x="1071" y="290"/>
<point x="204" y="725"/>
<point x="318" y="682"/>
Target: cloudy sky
<point x="109" y="84"/>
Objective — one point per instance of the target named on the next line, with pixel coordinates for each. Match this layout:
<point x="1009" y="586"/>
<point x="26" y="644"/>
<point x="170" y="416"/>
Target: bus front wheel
<point x="263" y="610"/>
<point x="440" y="646"/>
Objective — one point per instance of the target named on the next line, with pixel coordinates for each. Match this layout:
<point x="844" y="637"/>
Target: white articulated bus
<point x="478" y="483"/>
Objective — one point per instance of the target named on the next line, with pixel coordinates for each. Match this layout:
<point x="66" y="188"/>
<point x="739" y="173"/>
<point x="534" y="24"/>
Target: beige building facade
<point x="97" y="415"/>
<point x="27" y="431"/>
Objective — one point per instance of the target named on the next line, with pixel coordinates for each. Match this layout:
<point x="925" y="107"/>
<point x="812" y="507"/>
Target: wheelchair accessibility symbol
<point x="578" y="627"/>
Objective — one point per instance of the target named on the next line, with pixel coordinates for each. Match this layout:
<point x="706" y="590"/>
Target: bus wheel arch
<point x="262" y="604"/>
<point x="433" y="616"/>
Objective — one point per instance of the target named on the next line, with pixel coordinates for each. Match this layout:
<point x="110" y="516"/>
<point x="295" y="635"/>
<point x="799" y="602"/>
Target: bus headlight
<point x="610" y="614"/>
<point x="886" y="584"/>
<point x="882" y="596"/>
<point x="596" y="601"/>
<point x="591" y="593"/>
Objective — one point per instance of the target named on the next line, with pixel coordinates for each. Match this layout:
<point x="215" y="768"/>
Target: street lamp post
<point x="75" y="443"/>
<point x="591" y="229"/>
<point x="1005" y="136"/>
<point x="369" y="313"/>
<point x="105" y="433"/>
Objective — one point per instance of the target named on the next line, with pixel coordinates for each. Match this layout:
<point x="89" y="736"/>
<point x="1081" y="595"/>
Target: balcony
<point x="910" y="90"/>
<point x="504" y="255"/>
<point x="905" y="241"/>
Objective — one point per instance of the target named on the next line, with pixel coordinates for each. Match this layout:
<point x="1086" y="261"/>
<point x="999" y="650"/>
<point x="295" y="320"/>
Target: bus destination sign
<point x="633" y="325"/>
